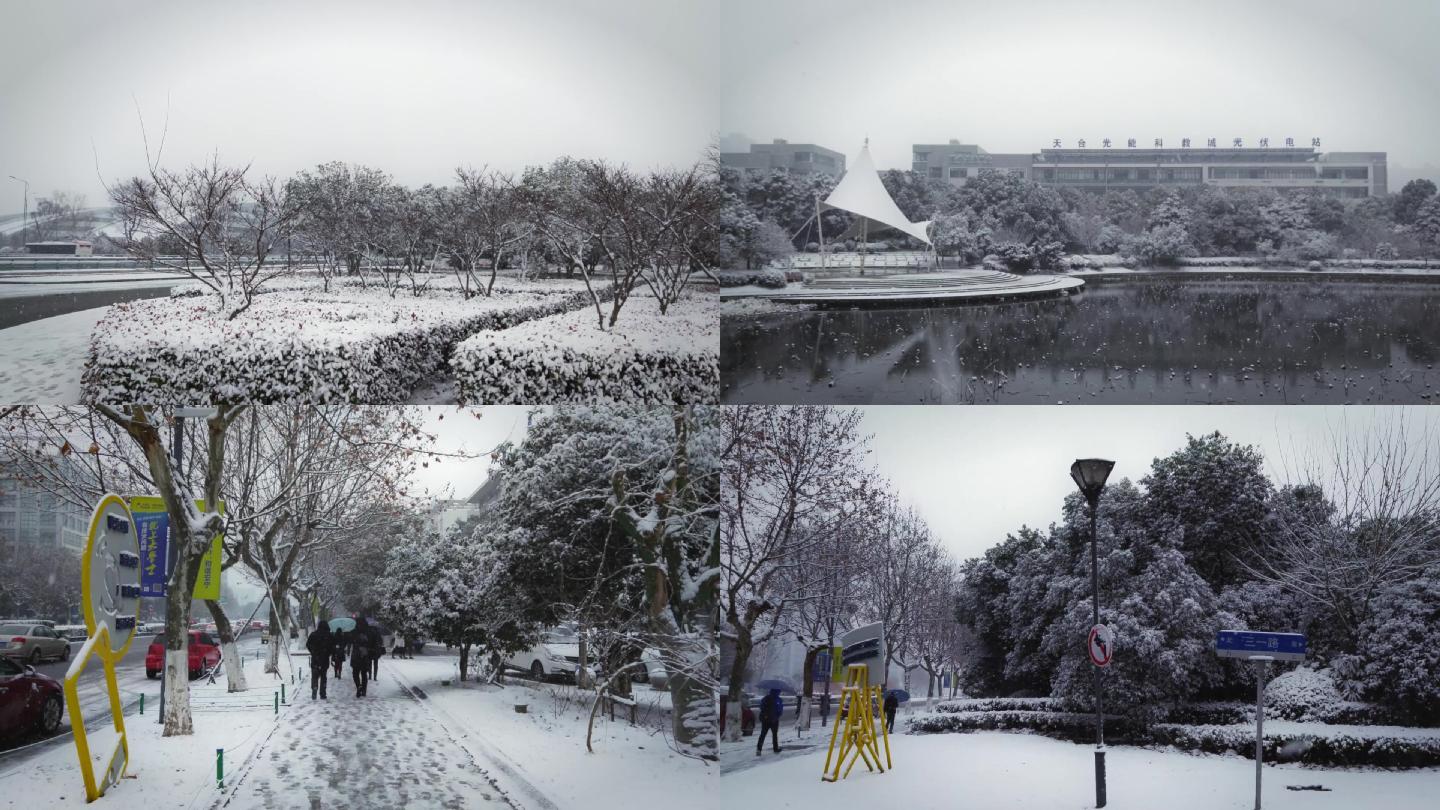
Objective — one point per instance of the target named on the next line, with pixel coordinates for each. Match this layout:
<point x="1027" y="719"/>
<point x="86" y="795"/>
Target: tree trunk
<point x="464" y="662"/>
<point x="808" y="690"/>
<point x="277" y="637"/>
<point x="582" y="670"/>
<point x="234" y="666"/>
<point x="177" y="654"/>
<point x="734" y="708"/>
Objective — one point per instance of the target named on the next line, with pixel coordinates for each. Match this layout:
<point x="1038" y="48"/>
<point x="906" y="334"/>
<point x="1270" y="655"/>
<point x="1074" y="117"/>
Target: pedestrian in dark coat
<point x="360" y="656"/>
<point x="321" y="645"/>
<point x="892" y="702"/>
<point x="377" y="649"/>
<point x="339" y="650"/>
<point x="771" y="708"/>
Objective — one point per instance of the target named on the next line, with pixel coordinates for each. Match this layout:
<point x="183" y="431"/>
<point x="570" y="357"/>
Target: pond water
<point x="1155" y="341"/>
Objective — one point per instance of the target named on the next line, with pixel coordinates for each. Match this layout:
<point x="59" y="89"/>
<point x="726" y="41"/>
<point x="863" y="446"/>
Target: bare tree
<point x="1364" y="514"/>
<point x="224" y="225"/>
<point x="487" y="220"/>
<point x="338" y="206"/>
<point x="790" y="477"/>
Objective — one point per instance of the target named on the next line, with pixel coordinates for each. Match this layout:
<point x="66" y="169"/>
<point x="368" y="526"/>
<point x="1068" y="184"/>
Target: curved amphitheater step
<point x="953" y="285"/>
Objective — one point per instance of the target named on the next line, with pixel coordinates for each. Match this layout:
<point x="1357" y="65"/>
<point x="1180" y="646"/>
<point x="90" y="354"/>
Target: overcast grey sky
<point x="472" y="431"/>
<point x="977" y="473"/>
<point x="415" y="88"/>
<point x="1013" y="76"/>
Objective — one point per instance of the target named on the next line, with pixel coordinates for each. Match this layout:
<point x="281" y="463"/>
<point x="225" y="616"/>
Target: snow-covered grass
<point x="646" y="357"/>
<point x="41" y="361"/>
<point x="994" y="770"/>
<point x="300" y="342"/>
<point x="632" y="767"/>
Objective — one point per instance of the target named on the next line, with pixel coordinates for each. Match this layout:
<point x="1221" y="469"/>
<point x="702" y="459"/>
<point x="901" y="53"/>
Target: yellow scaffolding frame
<point x="858" y="703"/>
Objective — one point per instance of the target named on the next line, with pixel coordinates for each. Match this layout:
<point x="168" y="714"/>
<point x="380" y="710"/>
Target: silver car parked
<point x="32" y="643"/>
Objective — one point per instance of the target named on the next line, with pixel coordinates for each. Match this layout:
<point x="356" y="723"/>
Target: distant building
<point x="958" y="162"/>
<point x="446" y="514"/>
<point x="72" y="248"/>
<point x="32" y="516"/>
<point x="796" y="158"/>
<point x="1342" y="174"/>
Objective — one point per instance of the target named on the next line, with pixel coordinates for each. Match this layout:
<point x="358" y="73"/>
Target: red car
<point x="29" y="701"/>
<point x="204" y="654"/>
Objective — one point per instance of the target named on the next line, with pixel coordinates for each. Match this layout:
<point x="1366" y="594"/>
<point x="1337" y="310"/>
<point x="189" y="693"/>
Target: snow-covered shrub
<point x="301" y="343"/>
<point x="647" y="357"/>
<point x="1399" y="663"/>
<point x="1163" y="244"/>
<point x="993" y="263"/>
<point x="1111" y="239"/>
<point x="773" y="279"/>
<point x="1073" y="726"/>
<point x="1302" y="694"/>
<point x="998" y="704"/>
<point x="1313" y="745"/>
<point x="1386" y="251"/>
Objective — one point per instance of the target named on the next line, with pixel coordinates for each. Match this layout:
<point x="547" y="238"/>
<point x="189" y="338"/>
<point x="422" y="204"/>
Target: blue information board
<point x="1249" y="644"/>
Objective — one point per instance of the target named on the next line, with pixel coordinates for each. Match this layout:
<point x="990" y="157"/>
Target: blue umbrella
<point x="901" y="696"/>
<point x="775" y="683"/>
<point x="343" y="623"/>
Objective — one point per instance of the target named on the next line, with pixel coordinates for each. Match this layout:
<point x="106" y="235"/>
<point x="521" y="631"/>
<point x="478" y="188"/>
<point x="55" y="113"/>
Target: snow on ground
<point x="41" y="361"/>
<point x="998" y="770"/>
<point x="174" y="772"/>
<point x="632" y="767"/>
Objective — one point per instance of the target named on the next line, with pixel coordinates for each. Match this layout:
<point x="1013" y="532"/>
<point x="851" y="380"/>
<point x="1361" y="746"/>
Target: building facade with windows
<point x="30" y="515"/>
<point x="1342" y="174"/>
<point x="796" y="158"/>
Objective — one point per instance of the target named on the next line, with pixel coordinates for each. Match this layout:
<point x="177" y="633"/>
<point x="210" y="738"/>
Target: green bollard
<point x="220" y="768"/>
<point x="282" y="692"/>
<point x="277" y="702"/>
<point x="142" y="702"/>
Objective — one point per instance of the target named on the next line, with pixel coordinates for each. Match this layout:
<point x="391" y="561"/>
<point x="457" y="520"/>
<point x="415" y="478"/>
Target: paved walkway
<point x="380" y="751"/>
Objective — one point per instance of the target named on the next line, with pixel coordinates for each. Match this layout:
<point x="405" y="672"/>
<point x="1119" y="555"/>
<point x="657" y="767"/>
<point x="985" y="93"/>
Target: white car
<point x="556" y="655"/>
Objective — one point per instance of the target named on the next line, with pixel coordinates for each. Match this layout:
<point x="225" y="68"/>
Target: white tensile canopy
<point x="860" y="192"/>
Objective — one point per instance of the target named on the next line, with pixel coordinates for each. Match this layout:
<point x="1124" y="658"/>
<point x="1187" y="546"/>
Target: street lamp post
<point x="25" y="217"/>
<point x="1089" y="474"/>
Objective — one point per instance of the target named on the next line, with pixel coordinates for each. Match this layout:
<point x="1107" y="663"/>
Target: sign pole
<point x="1262" y="670"/>
<point x="1099" y="707"/>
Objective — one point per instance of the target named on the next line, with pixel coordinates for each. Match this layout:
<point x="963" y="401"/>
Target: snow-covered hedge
<point x="647" y="357"/>
<point x="998" y="704"/>
<point x="773" y="279"/>
<point x="298" y="343"/>
<point x="1313" y="744"/>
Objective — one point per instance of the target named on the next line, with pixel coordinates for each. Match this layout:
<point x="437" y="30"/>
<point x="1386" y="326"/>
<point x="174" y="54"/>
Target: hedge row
<point x="1331" y="747"/>
<point x="646" y="357"/>
<point x="998" y="704"/>
<point x="345" y="345"/>
<point x="773" y="279"/>
<point x="1320" y="745"/>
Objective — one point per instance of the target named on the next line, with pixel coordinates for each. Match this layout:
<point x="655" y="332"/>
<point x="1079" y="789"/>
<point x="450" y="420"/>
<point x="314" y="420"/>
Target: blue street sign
<point x="1250" y="644"/>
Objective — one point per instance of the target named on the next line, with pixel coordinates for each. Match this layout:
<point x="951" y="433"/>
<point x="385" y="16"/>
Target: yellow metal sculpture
<point x="110" y="592"/>
<point x="859" y="703"/>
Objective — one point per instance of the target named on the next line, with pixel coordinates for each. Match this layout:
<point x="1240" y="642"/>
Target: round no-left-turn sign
<point x="1101" y="645"/>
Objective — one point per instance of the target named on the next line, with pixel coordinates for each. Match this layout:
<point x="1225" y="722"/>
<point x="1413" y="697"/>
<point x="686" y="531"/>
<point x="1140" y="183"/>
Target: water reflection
<point x="1151" y="342"/>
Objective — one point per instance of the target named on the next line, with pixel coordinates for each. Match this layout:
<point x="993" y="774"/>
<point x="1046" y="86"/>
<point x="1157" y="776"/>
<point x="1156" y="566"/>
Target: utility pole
<point x="25" y="217"/>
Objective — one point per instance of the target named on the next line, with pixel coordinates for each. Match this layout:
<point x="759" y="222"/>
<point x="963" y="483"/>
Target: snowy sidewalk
<point x="41" y="361"/>
<point x="380" y="751"/>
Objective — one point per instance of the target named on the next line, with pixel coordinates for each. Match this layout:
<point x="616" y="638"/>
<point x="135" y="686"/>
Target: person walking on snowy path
<point x="892" y="702"/>
<point x="377" y="649"/>
<point x="360" y="656"/>
<point x="771" y="709"/>
<point x="338" y="650"/>
<point x="319" y="644"/>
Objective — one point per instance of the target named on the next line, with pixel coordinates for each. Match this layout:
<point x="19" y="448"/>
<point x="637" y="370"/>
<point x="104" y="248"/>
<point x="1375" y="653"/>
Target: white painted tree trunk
<point x="272" y="657"/>
<point x="234" y="667"/>
<point x="177" y="693"/>
<point x="803" y="723"/>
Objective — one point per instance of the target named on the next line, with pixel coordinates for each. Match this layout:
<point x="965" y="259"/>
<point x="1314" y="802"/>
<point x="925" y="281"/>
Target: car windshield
<point x="562" y="636"/>
<point x="14" y="629"/>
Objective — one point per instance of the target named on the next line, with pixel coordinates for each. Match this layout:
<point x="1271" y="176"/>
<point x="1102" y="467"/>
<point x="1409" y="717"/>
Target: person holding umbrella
<point x="319" y="644"/>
